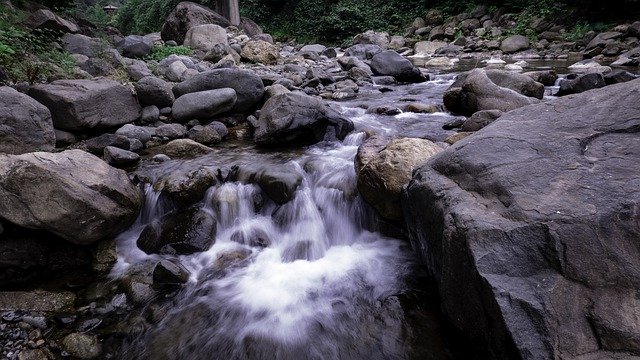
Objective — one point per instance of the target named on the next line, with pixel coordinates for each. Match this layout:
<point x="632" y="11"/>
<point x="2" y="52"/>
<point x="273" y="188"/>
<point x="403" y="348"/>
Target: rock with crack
<point x="530" y="228"/>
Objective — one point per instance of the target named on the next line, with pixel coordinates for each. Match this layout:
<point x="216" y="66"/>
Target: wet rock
<point x="393" y="64"/>
<point x="278" y="182"/>
<point x="26" y="124"/>
<point x="296" y="118"/>
<point x="204" y="104"/>
<point x="589" y="66"/>
<point x="514" y="43"/>
<point x="618" y="76"/>
<point x="261" y="52"/>
<point x="87" y="104"/>
<point x="253" y="237"/>
<point x="119" y="157"/>
<point x="384" y="166"/>
<point x="135" y="46"/>
<point x="46" y="19"/>
<point x="37" y="300"/>
<point x="187" y="188"/>
<point x="205" y="37"/>
<point x="180" y="232"/>
<point x="97" y="144"/>
<point x="248" y="86"/>
<point x="422" y="108"/>
<point x="476" y="90"/>
<point x="480" y="119"/>
<point x="139" y="292"/>
<point x="171" y="131"/>
<point x="187" y="15"/>
<point x="581" y="84"/>
<point x="104" y="256"/>
<point x="82" y="346"/>
<point x="528" y="235"/>
<point x="169" y="273"/>
<point x="32" y="354"/>
<point x="185" y="148"/>
<point x="72" y="194"/>
<point x="135" y="132"/>
<point x="206" y="135"/>
<point x="545" y="77"/>
<point x="154" y="91"/>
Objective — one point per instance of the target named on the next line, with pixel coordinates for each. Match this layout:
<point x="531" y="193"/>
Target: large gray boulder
<point x="381" y="39"/>
<point x="204" y="105"/>
<point x="384" y="166"/>
<point x="82" y="44"/>
<point x="514" y="43"/>
<point x="298" y="118"/>
<point x="187" y="15"/>
<point x="581" y="83"/>
<point x="261" y="52"/>
<point x="25" y="124"/>
<point x="482" y="89"/>
<point x="248" y="86"/>
<point x="393" y="64"/>
<point x="530" y="229"/>
<point x="154" y="91"/>
<point x="72" y="194"/>
<point x="205" y="37"/>
<point x="46" y="19"/>
<point x="135" y="46"/>
<point x="87" y="104"/>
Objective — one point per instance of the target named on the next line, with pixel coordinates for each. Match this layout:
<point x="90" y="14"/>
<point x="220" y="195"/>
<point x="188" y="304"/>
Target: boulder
<point x="480" y="119"/>
<point x="297" y="118"/>
<point x="250" y="27"/>
<point x="131" y="131"/>
<point x="581" y="83"/>
<point x="428" y="48"/>
<point x="185" y="148"/>
<point x="205" y="37"/>
<point x="248" y="86"/>
<point x="279" y="183"/>
<point x="187" y="187"/>
<point x="137" y="69"/>
<point x="545" y="77"/>
<point x="619" y="76"/>
<point x="380" y="39"/>
<point x="46" y="19"/>
<point x="529" y="229"/>
<point x="97" y="144"/>
<point x="203" y="104"/>
<point x="316" y="48"/>
<point x="119" y="157"/>
<point x="72" y="194"/>
<point x="475" y="91"/>
<point x="180" y="232"/>
<point x="261" y="52"/>
<point x="363" y="51"/>
<point x="601" y="40"/>
<point x="169" y="273"/>
<point x="150" y="114"/>
<point x="87" y="104"/>
<point x="171" y="131"/>
<point x="514" y="43"/>
<point x="25" y="124"/>
<point x="393" y="64"/>
<point x="82" y="44"/>
<point x="187" y="15"/>
<point x="206" y="135"/>
<point x="384" y="166"/>
<point x="135" y="46"/>
<point x="82" y="346"/>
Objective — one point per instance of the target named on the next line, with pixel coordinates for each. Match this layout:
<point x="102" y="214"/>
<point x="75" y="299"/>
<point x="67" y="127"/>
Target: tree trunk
<point x="229" y="9"/>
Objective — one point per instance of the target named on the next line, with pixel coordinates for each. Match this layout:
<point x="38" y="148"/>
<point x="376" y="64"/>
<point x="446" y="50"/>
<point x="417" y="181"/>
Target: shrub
<point x="160" y="52"/>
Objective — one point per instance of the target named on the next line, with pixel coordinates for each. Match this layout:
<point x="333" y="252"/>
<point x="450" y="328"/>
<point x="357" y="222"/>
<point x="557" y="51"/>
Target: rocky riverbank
<point x="511" y="222"/>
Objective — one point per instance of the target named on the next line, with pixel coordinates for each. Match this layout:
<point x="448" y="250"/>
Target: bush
<point x="160" y="52"/>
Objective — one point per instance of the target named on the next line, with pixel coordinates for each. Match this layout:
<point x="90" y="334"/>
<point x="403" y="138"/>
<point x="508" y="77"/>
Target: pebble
<point x="39" y="322"/>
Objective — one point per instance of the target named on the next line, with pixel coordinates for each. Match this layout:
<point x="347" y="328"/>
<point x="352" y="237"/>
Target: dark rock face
<point x="480" y="119"/>
<point x="72" y="194"/>
<point x="530" y="228"/>
<point x="187" y="15"/>
<point x="87" y="104"/>
<point x="581" y="84"/>
<point x="135" y="46"/>
<point x="25" y="124"/>
<point x="393" y="64"/>
<point x="278" y="182"/>
<point x="181" y="232"/>
<point x="154" y="91"/>
<point x="204" y="104"/>
<point x="297" y="118"/>
<point x="46" y="19"/>
<point x="248" y="86"/>
<point x="480" y="89"/>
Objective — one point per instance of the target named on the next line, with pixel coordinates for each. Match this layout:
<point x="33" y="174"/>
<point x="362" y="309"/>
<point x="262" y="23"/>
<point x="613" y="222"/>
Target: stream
<point x="314" y="278"/>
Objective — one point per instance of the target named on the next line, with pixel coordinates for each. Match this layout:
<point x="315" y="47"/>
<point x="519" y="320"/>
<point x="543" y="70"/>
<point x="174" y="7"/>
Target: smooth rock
<point x="205" y="37"/>
<point x="154" y="91"/>
<point x="514" y="44"/>
<point x="393" y="64"/>
<point x="204" y="104"/>
<point x="185" y="148"/>
<point x="119" y="157"/>
<point x="187" y="15"/>
<point x="135" y="46"/>
<point x="25" y="124"/>
<point x="261" y="52"/>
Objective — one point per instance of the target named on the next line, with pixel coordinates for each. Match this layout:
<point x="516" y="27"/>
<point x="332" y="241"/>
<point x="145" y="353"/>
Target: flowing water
<point x="311" y="279"/>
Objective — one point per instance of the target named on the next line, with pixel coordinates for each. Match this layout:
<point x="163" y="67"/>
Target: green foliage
<point x="29" y="55"/>
<point x="160" y="52"/>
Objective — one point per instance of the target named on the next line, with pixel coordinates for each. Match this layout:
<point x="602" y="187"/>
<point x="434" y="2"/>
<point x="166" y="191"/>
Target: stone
<point x="182" y="232"/>
<point x="87" y="104"/>
<point x="422" y="108"/>
<point x="248" y="86"/>
<point x="135" y="132"/>
<point x="170" y="273"/>
<point x="545" y="77"/>
<point x="480" y="119"/>
<point x="273" y="90"/>
<point x="250" y="27"/>
<point x="581" y="84"/>
<point x="186" y="187"/>
<point x="261" y="52"/>
<point x="296" y="118"/>
<point x="25" y="124"/>
<point x="316" y="48"/>
<point x="363" y="51"/>
<point x="618" y="76"/>
<point x="279" y="183"/>
<point x="380" y="39"/>
<point x="82" y="346"/>
<point x="205" y="37"/>
<point x="171" y="131"/>
<point x="46" y="19"/>
<point x="118" y="157"/>
<point x="185" y="148"/>
<point x="98" y="67"/>
<point x="529" y="229"/>
<point x="206" y="135"/>
<point x="82" y="44"/>
<point x="589" y="66"/>
<point x="601" y="40"/>
<point x="514" y="43"/>
<point x="428" y="48"/>
<point x="204" y="104"/>
<point x="97" y="144"/>
<point x="150" y="114"/>
<point x="504" y="91"/>
<point x="384" y="166"/>
<point x="32" y="354"/>
<point x="37" y="300"/>
<point x="72" y="194"/>
<point x="219" y="52"/>
<point x="393" y="64"/>
<point x="64" y="138"/>
<point x="187" y="15"/>
<point x="135" y="46"/>
<point x="137" y="70"/>
<point x="176" y="71"/>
